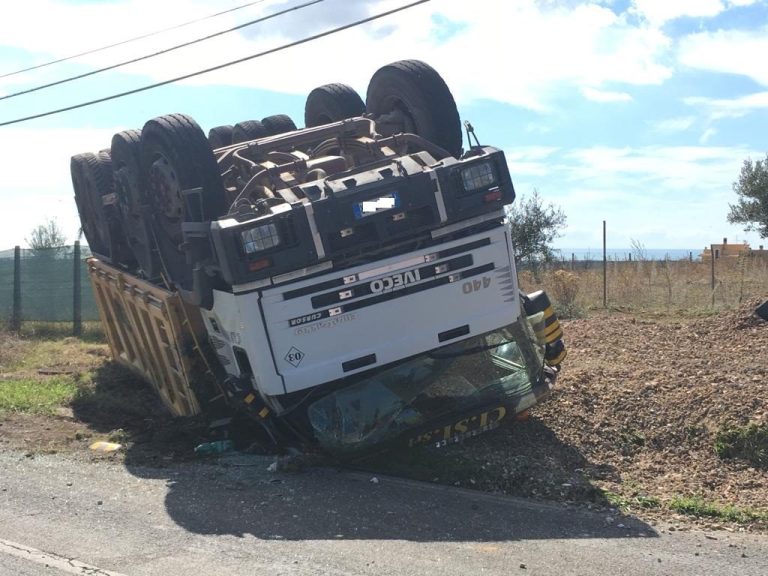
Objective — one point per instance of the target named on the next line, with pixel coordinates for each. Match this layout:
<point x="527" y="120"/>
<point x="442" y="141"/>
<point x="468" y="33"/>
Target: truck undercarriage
<point x="351" y="284"/>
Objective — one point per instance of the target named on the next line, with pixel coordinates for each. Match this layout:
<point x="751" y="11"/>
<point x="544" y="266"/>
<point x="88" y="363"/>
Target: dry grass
<point x="671" y="286"/>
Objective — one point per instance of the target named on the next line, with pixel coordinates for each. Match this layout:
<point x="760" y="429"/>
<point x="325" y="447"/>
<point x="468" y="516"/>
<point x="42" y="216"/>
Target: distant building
<point x="729" y="251"/>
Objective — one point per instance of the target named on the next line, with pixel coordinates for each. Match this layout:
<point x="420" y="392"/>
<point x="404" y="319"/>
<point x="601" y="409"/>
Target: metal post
<point x="573" y="261"/>
<point x="16" y="317"/>
<point x="712" y="272"/>
<point x="77" y="296"/>
<point x="605" y="270"/>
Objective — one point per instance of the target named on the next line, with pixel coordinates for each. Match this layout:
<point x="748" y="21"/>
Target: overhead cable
<point x="134" y="39"/>
<point x="161" y="52"/>
<point x="220" y="66"/>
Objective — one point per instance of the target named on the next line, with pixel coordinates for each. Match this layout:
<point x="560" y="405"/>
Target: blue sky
<point x="637" y="112"/>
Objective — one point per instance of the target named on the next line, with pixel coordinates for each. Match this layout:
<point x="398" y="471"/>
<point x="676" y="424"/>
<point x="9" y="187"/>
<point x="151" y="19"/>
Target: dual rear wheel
<point x="133" y="204"/>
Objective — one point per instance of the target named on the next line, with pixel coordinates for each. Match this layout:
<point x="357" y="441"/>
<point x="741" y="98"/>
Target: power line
<point x="220" y="66"/>
<point x="161" y="52"/>
<point x="134" y="39"/>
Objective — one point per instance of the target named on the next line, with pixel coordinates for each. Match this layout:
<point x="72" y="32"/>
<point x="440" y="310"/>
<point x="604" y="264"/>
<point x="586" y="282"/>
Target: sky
<point x="637" y="112"/>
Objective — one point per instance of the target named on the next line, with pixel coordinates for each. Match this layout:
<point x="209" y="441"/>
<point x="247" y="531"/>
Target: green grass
<point x="91" y="331"/>
<point x="628" y="504"/>
<point x="748" y="443"/>
<point x="36" y="396"/>
<point x="690" y="506"/>
<point x="694" y="506"/>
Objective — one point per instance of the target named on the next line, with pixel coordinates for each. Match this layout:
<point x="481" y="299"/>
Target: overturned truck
<point x="347" y="285"/>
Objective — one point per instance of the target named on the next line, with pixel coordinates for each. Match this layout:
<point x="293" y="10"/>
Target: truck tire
<point x="220" y="136"/>
<point x="91" y="180"/>
<point x="421" y="103"/>
<point x="176" y="156"/>
<point x="248" y="130"/>
<point x="278" y="124"/>
<point x="331" y="103"/>
<point x="119" y="249"/>
<point x="126" y="172"/>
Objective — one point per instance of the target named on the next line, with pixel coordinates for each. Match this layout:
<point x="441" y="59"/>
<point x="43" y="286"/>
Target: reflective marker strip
<point x="319" y="248"/>
<point x="48" y="559"/>
<point x="439" y="197"/>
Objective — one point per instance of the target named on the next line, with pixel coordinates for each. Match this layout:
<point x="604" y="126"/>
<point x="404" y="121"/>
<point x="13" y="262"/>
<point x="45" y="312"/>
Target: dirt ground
<point x="632" y="423"/>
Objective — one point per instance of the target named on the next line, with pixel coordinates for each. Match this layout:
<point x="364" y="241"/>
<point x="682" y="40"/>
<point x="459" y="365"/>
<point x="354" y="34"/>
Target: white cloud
<point x="604" y="95"/>
<point x="529" y="160"/>
<point x="537" y="48"/>
<point x="673" y="125"/>
<point x="662" y="195"/>
<point x="657" y="12"/>
<point x="31" y="194"/>
<point x="729" y="51"/>
<point x="706" y="135"/>
<point x="718" y="108"/>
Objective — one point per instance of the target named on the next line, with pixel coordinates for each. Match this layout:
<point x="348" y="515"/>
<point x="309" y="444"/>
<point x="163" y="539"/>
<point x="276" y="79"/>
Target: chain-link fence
<point x="49" y="285"/>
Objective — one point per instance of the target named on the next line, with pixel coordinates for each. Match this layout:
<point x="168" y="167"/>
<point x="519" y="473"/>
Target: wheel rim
<point x="166" y="190"/>
<point x="396" y="119"/>
<point x="139" y="237"/>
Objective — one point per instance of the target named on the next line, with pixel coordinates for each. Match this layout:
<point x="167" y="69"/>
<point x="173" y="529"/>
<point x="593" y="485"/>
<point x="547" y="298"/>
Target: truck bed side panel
<point x="151" y="332"/>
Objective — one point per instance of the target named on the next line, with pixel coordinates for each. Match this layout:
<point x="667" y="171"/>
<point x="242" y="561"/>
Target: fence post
<point x="16" y="316"/>
<point x="712" y="272"/>
<point x="605" y="271"/>
<point x="77" y="295"/>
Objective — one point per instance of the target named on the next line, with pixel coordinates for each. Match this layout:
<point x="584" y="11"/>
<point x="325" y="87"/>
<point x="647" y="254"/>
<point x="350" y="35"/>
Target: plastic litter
<point x="218" y="447"/>
<point x="762" y="310"/>
<point x="105" y="446"/>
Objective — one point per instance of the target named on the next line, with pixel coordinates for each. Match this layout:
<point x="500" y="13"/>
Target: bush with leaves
<point x="533" y="226"/>
<point x="751" y="188"/>
<point x="46" y="239"/>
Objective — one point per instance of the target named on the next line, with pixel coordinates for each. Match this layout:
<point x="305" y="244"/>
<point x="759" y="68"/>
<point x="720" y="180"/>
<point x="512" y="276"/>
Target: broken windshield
<point x="497" y="367"/>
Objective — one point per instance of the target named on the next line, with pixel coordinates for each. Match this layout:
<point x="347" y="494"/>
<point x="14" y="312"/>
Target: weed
<point x="564" y="288"/>
<point x="748" y="443"/>
<point x="700" y="508"/>
<point x="627" y="504"/>
<point x="630" y="441"/>
<point x="37" y="396"/>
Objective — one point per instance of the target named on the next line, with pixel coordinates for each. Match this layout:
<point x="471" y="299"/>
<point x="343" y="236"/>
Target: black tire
<point x="176" y="156"/>
<point x="331" y="103"/>
<point x="126" y="171"/>
<point x="417" y="91"/>
<point x="118" y="248"/>
<point x="278" y="124"/>
<point x="91" y="179"/>
<point x="248" y="130"/>
<point x="220" y="136"/>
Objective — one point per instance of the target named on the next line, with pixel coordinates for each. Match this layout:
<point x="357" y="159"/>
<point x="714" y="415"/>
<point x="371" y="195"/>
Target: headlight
<point x="260" y="238"/>
<point x="478" y="177"/>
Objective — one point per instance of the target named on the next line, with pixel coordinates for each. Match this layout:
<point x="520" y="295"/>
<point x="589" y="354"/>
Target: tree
<point x="47" y="238"/>
<point x="752" y="190"/>
<point x="533" y="227"/>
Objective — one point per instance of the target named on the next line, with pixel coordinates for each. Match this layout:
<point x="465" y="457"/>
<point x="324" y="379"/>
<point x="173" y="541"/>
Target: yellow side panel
<point x="151" y="331"/>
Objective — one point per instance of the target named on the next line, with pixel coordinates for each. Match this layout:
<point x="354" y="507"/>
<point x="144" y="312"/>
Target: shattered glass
<point x="495" y="368"/>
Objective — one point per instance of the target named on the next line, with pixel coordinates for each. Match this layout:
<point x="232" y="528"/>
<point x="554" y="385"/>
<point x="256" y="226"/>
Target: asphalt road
<point x="231" y="517"/>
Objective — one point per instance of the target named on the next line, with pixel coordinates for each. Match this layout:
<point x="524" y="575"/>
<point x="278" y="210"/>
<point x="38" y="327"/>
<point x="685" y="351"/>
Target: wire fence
<point x="684" y="285"/>
<point x="45" y="285"/>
